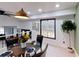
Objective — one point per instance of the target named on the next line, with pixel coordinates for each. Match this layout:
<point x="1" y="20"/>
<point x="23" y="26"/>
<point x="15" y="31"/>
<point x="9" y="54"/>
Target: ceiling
<point x="33" y="7"/>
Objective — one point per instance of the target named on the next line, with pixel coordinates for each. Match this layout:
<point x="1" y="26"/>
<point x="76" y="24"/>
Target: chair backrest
<point x="17" y="51"/>
<point x="41" y="54"/>
<point x="39" y="39"/>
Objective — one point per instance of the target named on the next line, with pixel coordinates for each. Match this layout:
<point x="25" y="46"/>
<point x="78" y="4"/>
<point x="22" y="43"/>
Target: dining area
<point x="30" y="51"/>
<point x="25" y="47"/>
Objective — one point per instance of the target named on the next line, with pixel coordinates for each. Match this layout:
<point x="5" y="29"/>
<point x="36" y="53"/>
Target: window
<point x="1" y="30"/>
<point x="48" y="28"/>
<point x="9" y="30"/>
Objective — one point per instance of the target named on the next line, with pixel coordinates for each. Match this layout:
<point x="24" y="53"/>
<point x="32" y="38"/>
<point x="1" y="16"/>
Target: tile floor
<point x="54" y="51"/>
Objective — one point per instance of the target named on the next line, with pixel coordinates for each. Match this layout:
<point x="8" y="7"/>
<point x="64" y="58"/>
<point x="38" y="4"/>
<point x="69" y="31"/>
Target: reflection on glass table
<point x="31" y="49"/>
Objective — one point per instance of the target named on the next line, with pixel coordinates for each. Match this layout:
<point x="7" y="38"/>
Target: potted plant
<point x="23" y="40"/>
<point x="67" y="27"/>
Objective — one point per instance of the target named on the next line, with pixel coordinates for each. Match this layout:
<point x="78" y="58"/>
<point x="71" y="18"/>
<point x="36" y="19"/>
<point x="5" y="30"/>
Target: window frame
<point x="54" y="27"/>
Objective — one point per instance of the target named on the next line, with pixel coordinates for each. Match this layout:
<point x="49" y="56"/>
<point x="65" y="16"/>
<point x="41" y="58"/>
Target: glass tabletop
<point x="31" y="49"/>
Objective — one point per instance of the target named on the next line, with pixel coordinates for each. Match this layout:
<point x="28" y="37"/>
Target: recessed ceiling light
<point x="28" y="12"/>
<point x="40" y="10"/>
<point x="57" y="5"/>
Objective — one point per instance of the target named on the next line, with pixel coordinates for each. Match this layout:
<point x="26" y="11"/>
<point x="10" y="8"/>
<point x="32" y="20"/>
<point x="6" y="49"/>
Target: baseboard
<point x="75" y="52"/>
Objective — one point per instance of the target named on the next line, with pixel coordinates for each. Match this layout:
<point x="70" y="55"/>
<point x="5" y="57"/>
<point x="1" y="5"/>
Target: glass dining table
<point x="31" y="49"/>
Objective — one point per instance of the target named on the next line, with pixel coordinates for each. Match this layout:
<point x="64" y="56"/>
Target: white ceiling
<point x="34" y="6"/>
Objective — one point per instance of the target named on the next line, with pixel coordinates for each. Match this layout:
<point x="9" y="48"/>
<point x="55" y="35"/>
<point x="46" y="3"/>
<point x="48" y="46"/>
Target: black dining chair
<point x="6" y="54"/>
<point x="42" y="53"/>
<point x="39" y="40"/>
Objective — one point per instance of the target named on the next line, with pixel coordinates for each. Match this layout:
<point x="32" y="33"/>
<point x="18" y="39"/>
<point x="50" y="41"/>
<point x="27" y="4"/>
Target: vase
<point x="23" y="45"/>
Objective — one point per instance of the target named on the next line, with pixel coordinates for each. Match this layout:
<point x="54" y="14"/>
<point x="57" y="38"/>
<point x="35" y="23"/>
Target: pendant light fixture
<point x="21" y="14"/>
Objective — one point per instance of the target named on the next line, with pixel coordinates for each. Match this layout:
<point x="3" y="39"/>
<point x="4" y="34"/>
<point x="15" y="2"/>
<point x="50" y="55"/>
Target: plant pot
<point x="70" y="50"/>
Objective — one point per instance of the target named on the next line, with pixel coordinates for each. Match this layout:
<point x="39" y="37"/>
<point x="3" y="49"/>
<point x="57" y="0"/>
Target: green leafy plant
<point x="68" y="26"/>
<point x="22" y="40"/>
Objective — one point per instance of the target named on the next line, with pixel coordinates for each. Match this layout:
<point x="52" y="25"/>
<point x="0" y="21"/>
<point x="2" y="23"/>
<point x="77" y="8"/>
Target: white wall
<point x="60" y="35"/>
<point x="9" y="21"/>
